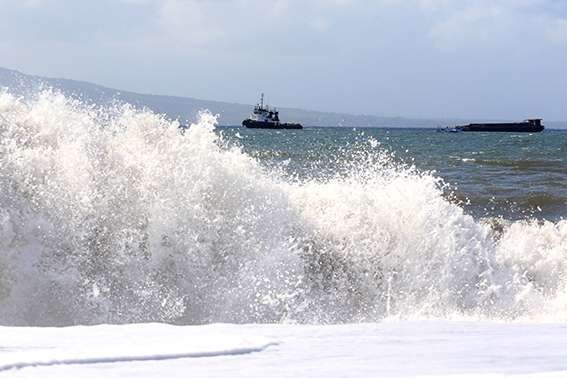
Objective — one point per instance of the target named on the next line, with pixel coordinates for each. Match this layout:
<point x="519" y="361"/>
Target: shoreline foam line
<point x="149" y="357"/>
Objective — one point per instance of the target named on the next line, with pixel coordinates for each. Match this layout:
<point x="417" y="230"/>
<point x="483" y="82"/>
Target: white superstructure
<point x="263" y="113"/>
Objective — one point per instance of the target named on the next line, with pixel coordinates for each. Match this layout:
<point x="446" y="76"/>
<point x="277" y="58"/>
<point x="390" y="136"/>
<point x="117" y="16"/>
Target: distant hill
<point x="186" y="108"/>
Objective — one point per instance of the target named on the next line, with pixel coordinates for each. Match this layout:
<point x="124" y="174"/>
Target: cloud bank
<point x="430" y="58"/>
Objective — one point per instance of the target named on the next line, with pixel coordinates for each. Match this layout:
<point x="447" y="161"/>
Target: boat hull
<point x="531" y="126"/>
<point x="252" y="124"/>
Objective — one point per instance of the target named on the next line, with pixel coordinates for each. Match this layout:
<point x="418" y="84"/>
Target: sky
<point x="489" y="59"/>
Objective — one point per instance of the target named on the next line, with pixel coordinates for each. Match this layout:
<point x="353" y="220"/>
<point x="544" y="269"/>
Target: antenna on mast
<point x="262" y="100"/>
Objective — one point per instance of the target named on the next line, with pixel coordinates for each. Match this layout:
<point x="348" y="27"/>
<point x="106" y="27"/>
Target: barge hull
<point x="529" y="126"/>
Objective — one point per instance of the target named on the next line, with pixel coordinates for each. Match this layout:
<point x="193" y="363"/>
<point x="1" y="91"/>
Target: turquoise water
<point x="508" y="175"/>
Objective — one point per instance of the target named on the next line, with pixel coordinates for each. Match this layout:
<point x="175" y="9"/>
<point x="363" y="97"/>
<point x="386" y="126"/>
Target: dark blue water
<point x="508" y="175"/>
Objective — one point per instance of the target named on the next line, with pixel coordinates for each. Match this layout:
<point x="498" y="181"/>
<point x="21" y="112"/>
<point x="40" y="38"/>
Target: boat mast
<point x="262" y="101"/>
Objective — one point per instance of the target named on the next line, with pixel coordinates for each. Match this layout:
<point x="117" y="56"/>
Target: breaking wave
<point x="112" y="215"/>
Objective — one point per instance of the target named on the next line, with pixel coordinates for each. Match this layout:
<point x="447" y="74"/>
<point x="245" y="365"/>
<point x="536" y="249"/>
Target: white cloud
<point x="433" y="4"/>
<point x="374" y="49"/>
<point x="25" y="3"/>
<point x="340" y="3"/>
<point x="473" y="23"/>
<point x="557" y="31"/>
<point x="191" y="22"/>
<point x="231" y="23"/>
<point x="488" y="23"/>
<point x="320" y="24"/>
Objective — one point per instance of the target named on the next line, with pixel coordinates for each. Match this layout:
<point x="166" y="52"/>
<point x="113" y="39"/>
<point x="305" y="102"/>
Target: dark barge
<point x="528" y="126"/>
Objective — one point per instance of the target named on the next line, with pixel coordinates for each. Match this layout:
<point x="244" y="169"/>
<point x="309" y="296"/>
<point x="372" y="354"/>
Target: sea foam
<point x="111" y="215"/>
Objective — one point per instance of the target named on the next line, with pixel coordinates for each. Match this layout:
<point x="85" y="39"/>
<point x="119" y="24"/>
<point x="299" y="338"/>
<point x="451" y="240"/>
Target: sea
<point x="507" y="176"/>
<point x="395" y="240"/>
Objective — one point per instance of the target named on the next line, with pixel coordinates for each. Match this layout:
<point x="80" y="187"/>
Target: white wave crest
<point x="114" y="215"/>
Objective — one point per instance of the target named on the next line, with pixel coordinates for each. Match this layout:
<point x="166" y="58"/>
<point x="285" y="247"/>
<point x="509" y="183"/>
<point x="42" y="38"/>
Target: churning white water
<point x="113" y="215"/>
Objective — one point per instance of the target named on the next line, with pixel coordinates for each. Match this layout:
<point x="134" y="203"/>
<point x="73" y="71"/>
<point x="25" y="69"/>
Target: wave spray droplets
<point x="112" y="215"/>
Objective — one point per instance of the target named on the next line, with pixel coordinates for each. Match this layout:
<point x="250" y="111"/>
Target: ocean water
<point x="512" y="176"/>
<point x="112" y="215"/>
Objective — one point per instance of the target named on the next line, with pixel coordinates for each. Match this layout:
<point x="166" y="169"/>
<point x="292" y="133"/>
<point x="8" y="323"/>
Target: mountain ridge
<point x="186" y="109"/>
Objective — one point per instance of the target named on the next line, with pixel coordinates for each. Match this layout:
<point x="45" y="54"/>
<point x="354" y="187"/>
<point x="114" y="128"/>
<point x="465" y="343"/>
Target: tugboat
<point x="265" y="117"/>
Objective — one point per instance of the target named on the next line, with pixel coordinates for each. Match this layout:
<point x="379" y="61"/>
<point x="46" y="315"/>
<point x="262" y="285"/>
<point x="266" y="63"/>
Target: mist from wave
<point x="111" y="215"/>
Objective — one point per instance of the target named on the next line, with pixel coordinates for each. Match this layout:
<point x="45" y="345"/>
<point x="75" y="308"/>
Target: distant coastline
<point x="230" y="114"/>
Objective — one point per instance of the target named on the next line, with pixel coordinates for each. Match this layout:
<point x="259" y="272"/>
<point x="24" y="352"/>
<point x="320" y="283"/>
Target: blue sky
<point x="504" y="59"/>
